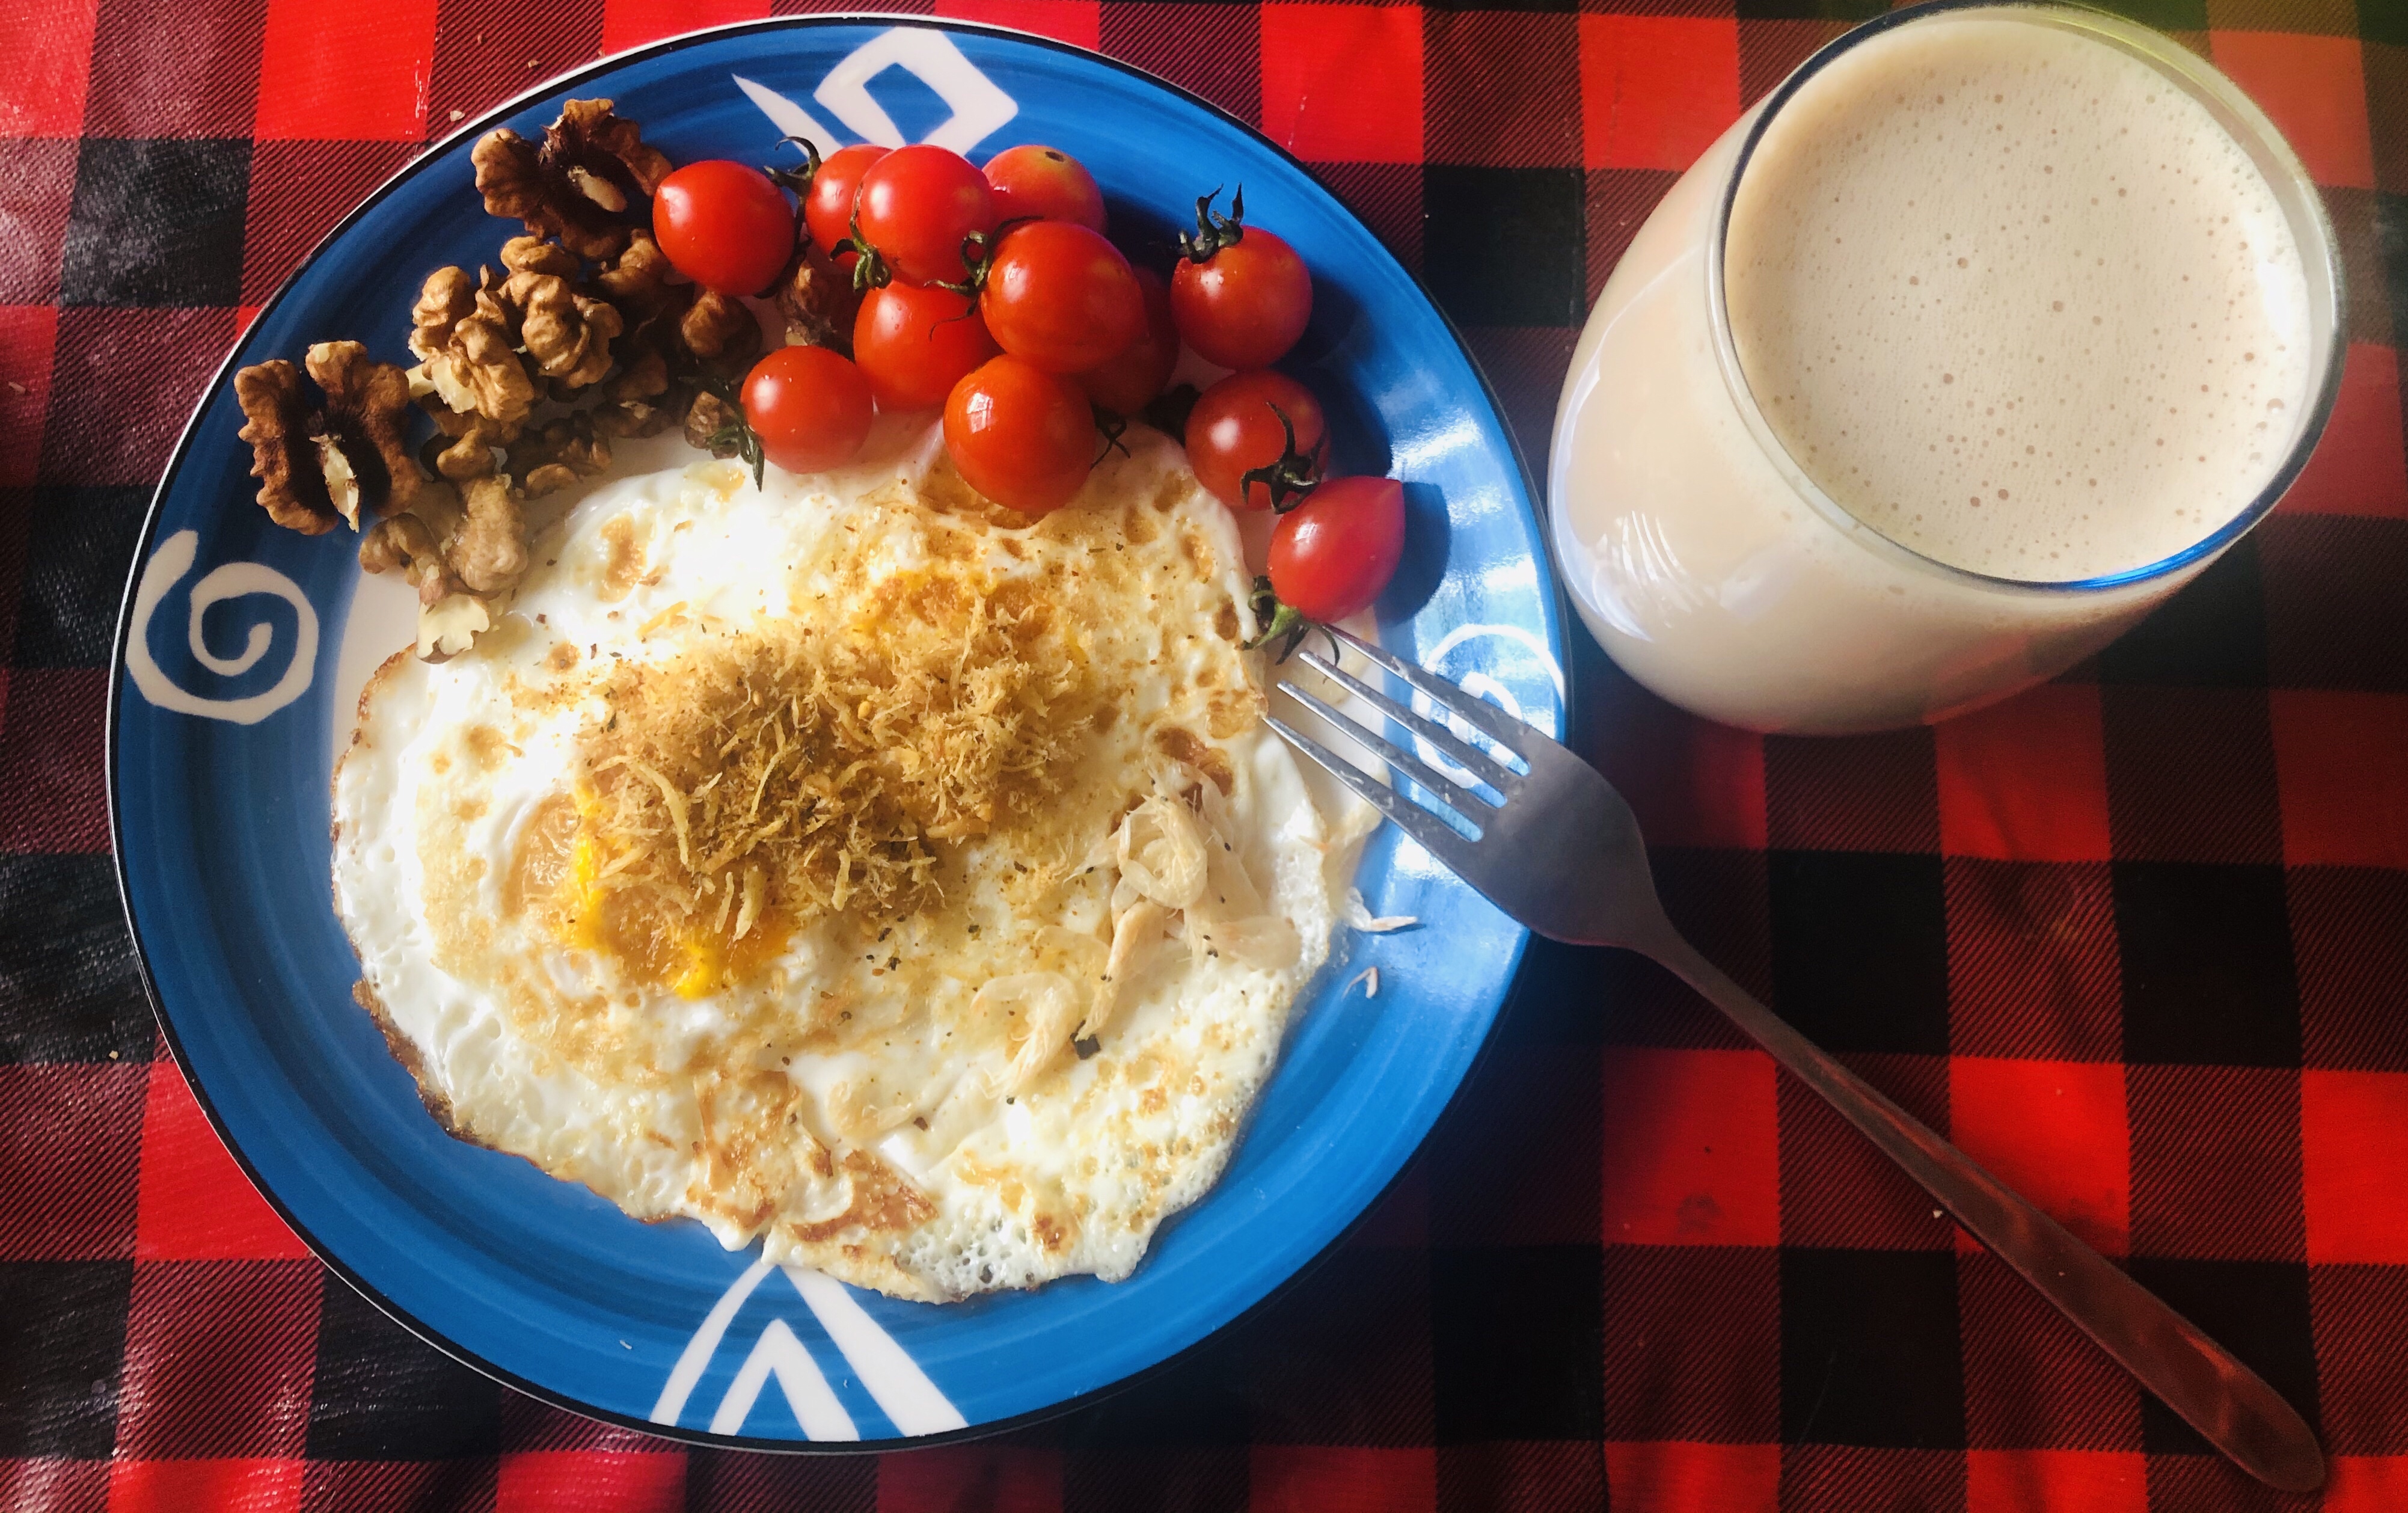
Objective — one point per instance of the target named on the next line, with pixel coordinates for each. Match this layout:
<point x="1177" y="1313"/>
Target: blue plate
<point x="226" y="711"/>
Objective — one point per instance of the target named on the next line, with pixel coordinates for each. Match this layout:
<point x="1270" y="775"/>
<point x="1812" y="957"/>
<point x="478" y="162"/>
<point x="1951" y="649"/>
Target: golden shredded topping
<point x="809" y="769"/>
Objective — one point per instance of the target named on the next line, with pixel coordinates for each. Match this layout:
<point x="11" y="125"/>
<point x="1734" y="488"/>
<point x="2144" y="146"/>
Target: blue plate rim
<point x="1552" y="607"/>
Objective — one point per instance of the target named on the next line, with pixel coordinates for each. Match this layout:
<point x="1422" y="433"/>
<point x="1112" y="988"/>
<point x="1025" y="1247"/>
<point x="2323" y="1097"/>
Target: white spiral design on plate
<point x="1479" y="685"/>
<point x="980" y="105"/>
<point x="233" y="580"/>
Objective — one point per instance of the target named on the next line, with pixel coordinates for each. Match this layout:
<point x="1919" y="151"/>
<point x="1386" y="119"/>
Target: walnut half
<point x="324" y="463"/>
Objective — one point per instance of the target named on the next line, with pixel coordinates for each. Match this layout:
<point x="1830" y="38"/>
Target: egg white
<point x="885" y="1141"/>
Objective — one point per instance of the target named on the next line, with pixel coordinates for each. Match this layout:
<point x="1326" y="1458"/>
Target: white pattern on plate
<point x="232" y="581"/>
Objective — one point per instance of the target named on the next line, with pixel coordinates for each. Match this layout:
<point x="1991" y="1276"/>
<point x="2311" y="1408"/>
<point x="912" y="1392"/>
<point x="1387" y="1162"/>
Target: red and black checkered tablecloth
<point x="2138" y="940"/>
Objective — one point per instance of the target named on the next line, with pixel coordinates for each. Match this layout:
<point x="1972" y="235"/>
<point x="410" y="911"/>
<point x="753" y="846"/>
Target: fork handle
<point x="2224" y="1400"/>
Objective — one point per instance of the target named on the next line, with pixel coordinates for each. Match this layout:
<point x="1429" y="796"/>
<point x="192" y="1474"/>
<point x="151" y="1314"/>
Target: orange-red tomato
<point x="1061" y="297"/>
<point x="1332" y="555"/>
<point x="916" y="206"/>
<point x="828" y="210"/>
<point x="1021" y="435"/>
<point x="1128" y="382"/>
<point x="916" y="342"/>
<point x="1245" y="305"/>
<point x="1047" y="184"/>
<point x="1235" y="428"/>
<point x="809" y="407"/>
<point x="725" y="226"/>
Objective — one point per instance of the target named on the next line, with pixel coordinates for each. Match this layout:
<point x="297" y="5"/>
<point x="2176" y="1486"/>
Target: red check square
<point x="27" y="333"/>
<point x="631" y="24"/>
<point x="1332" y="1478"/>
<point x="2026" y="780"/>
<point x="2359" y="467"/>
<point x="2048" y="1481"/>
<point x="2366" y="1484"/>
<point x="2314" y="89"/>
<point x="2353" y="1165"/>
<point x="49" y="62"/>
<point x="579" y="1481"/>
<point x="250" y="1486"/>
<point x="1656" y="90"/>
<point x="1079" y="22"/>
<point x="332" y="70"/>
<point x="1690" y="1477"/>
<point x="196" y="1203"/>
<point x="2054" y="1131"/>
<point x="2340" y="762"/>
<point x="1691" y="1148"/>
<point x="1005" y="1479"/>
<point x="1343" y="83"/>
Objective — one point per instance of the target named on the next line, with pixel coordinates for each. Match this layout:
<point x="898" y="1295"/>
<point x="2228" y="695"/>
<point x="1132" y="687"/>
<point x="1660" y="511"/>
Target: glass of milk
<point x="1971" y="343"/>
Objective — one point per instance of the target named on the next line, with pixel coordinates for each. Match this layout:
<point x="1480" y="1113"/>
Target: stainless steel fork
<point x="1559" y="850"/>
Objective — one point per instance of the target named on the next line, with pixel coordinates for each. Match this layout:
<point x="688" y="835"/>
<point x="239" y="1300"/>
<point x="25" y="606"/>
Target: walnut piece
<point x="637" y="279"/>
<point x="490" y="555"/>
<point x="451" y="626"/>
<point x="709" y="421"/>
<point x="323" y="464"/>
<point x="718" y="329"/>
<point x="568" y="334"/>
<point x="367" y="424"/>
<point x="577" y="184"/>
<point x="469" y="341"/>
<point x="562" y="452"/>
<point x="818" y="301"/>
<point x="292" y="488"/>
<point x="533" y="254"/>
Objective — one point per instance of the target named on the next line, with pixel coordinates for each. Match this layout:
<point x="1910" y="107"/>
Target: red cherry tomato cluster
<point x="996" y="293"/>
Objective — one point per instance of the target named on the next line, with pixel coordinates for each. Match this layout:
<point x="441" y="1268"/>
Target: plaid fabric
<point x="2139" y="940"/>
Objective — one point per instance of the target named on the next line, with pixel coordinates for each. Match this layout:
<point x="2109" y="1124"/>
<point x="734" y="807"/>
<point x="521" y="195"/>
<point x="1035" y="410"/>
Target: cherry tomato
<point x="1246" y="303"/>
<point x="1128" y="382"/>
<point x="809" y="407"/>
<point x="1332" y="555"/>
<point x="1045" y="182"/>
<point x="724" y="225"/>
<point x="1235" y="428"/>
<point x="917" y="204"/>
<point x="829" y="211"/>
<point x="915" y="343"/>
<point x="1021" y="435"/>
<point x="1061" y="297"/>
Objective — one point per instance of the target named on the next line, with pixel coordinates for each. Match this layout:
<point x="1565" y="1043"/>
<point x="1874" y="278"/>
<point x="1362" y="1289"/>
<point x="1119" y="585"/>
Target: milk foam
<point x="2017" y="301"/>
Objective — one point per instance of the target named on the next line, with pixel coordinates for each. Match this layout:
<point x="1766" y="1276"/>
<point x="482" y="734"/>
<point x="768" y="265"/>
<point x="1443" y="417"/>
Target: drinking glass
<point x="1718" y="573"/>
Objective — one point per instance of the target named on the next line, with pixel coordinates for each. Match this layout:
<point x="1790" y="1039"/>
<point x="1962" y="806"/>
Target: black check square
<point x="2257" y="1309"/>
<point x="1868" y="1349"/>
<point x="2386" y="219"/>
<point x="380" y="1393"/>
<point x="81" y="539"/>
<point x="2335" y="617"/>
<point x="1509" y="249"/>
<point x="2212" y="632"/>
<point x="1200" y="1403"/>
<point x="1860" y="949"/>
<point x="1849" y="11"/>
<point x="1515" y="1343"/>
<point x="157" y="221"/>
<point x="62" y="1332"/>
<point x="1329" y="1364"/>
<point x="2349" y="927"/>
<point x="69" y="991"/>
<point x="1139" y="1475"/>
<point x="2207" y="976"/>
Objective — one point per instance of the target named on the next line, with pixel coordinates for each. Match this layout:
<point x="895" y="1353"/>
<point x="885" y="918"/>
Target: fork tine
<point x="1458" y="799"/>
<point x="1479" y="714"/>
<point x="1419" y="823"/>
<point x="1486" y="768"/>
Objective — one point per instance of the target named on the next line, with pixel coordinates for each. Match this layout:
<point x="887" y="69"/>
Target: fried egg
<point x="852" y="867"/>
